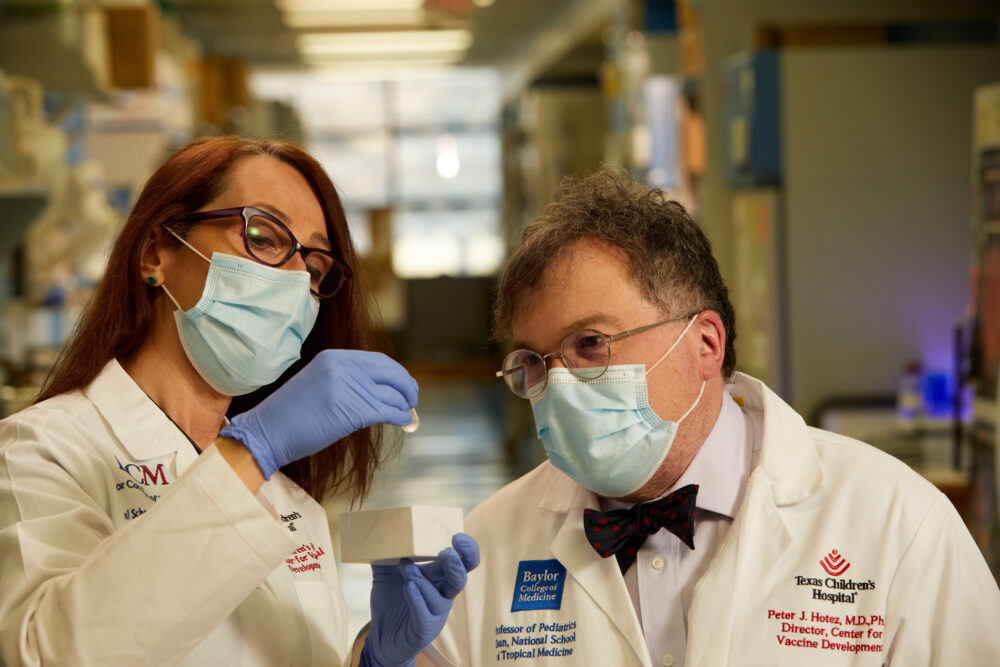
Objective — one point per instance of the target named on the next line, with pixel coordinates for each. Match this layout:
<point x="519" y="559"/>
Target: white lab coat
<point x="120" y="545"/>
<point x="915" y="591"/>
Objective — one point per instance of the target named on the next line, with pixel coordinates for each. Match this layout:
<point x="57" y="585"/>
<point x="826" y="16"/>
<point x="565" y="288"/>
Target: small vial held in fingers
<point x="415" y="424"/>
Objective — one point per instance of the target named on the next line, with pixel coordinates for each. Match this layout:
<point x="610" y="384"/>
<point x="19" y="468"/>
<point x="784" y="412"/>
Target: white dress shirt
<point x="662" y="579"/>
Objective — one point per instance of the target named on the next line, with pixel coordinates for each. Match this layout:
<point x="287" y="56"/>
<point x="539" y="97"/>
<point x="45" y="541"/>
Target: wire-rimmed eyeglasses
<point x="586" y="354"/>
<point x="268" y="241"/>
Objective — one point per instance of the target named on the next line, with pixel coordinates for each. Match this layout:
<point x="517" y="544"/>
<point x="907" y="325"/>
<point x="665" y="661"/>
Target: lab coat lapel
<point x="143" y="429"/>
<point x="598" y="577"/>
<point x="788" y="473"/>
<point x="752" y="549"/>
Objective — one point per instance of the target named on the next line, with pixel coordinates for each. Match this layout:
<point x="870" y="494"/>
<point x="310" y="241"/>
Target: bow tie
<point x="622" y="532"/>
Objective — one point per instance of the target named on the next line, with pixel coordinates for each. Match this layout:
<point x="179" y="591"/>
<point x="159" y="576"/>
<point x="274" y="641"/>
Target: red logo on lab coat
<point x="834" y="564"/>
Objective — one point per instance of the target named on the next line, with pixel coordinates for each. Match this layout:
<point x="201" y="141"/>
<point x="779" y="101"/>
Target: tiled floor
<point x="455" y="459"/>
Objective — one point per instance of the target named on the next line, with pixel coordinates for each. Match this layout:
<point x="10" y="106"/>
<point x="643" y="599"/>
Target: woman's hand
<point x="334" y="395"/>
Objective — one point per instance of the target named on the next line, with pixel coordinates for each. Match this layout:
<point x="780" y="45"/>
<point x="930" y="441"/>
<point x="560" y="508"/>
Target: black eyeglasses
<point x="271" y="243"/>
<point x="586" y="353"/>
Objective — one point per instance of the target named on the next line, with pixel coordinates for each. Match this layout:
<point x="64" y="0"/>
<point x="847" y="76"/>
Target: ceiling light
<point x="385" y="42"/>
<point x="410" y="71"/>
<point x="361" y="17"/>
<point x="448" y="164"/>
<point x="429" y="60"/>
<point x="346" y="5"/>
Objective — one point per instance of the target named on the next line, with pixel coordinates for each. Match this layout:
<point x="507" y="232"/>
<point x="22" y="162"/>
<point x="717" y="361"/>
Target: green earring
<point x="151" y="280"/>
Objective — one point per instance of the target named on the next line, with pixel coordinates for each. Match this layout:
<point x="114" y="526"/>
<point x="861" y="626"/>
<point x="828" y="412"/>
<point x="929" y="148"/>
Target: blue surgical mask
<point x="602" y="432"/>
<point x="249" y="325"/>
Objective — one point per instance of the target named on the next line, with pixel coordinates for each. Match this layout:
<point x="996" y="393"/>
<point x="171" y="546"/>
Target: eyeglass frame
<point x="608" y="339"/>
<point x="246" y="212"/>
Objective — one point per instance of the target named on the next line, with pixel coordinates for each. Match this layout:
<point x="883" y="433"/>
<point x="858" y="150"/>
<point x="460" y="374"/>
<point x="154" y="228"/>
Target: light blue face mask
<point x="249" y="325"/>
<point x="603" y="433"/>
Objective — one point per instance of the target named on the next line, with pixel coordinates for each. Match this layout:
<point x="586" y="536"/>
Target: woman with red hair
<point x="159" y="502"/>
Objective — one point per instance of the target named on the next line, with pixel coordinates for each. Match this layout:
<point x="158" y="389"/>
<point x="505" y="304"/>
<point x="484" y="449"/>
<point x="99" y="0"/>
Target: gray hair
<point x="669" y="257"/>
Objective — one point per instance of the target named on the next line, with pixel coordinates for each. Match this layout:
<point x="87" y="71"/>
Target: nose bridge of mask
<point x="589" y="390"/>
<point x="675" y="344"/>
<point x="593" y="381"/>
<point x="229" y="263"/>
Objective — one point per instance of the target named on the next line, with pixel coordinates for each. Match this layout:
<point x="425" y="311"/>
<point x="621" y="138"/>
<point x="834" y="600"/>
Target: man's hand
<point x="410" y="603"/>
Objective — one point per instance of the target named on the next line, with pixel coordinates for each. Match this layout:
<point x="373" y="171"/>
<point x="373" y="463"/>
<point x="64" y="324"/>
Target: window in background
<point x="460" y="169"/>
<point x="447" y="242"/>
<point x="427" y="148"/>
<point x="358" y="164"/>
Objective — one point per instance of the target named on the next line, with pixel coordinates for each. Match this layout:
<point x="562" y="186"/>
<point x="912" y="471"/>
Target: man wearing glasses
<point x="686" y="514"/>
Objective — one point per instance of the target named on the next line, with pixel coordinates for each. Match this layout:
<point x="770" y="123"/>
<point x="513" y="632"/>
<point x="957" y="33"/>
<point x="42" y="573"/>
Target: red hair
<point x="119" y="314"/>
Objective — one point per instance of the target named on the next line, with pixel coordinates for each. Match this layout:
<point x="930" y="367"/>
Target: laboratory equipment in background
<point x="31" y="169"/>
<point x="92" y="99"/>
<point x="909" y="398"/>
<point x="984" y="369"/>
<point x="657" y="94"/>
<point x="758" y="286"/>
<point x="835" y="233"/>
<point x="753" y="140"/>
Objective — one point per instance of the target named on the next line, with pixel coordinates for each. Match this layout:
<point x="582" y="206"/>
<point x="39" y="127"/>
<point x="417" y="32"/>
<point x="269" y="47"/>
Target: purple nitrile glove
<point x="334" y="395"/>
<point x="410" y="603"/>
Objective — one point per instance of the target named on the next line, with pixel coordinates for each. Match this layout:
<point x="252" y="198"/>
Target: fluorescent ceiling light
<point x="347" y="5"/>
<point x="377" y="70"/>
<point x="361" y="17"/>
<point x="366" y="63"/>
<point x="430" y="72"/>
<point x="384" y="42"/>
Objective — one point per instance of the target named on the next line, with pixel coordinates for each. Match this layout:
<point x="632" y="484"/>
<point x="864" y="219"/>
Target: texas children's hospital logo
<point x="835" y="588"/>
<point x="834" y="564"/>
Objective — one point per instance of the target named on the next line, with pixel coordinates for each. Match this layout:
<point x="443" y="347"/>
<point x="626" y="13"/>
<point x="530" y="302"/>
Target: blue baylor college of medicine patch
<point x="539" y="585"/>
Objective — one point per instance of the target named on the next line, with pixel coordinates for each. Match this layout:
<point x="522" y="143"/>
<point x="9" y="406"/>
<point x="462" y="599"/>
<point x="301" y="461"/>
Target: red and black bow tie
<point x="622" y="532"/>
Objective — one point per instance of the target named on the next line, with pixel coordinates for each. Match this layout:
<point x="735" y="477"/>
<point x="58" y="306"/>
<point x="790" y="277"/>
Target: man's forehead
<point x="524" y="336"/>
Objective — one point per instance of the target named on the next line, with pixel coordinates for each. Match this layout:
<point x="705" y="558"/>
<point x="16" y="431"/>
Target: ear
<point x="152" y="259"/>
<point x="712" y="344"/>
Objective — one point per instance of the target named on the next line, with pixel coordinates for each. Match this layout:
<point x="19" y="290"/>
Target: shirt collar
<point x="143" y="429"/>
<point x="722" y="465"/>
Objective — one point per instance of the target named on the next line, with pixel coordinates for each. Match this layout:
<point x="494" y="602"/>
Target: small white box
<point x="418" y="532"/>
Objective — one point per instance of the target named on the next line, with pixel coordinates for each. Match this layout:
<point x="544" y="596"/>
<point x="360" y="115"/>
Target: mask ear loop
<point x="676" y="342"/>
<point x="703" y="382"/>
<point x="195" y="251"/>
<point x="693" y="405"/>
<point x="171" y="296"/>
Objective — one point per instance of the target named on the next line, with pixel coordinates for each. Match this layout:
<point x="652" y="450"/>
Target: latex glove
<point x="334" y="395"/>
<point x="410" y="603"/>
